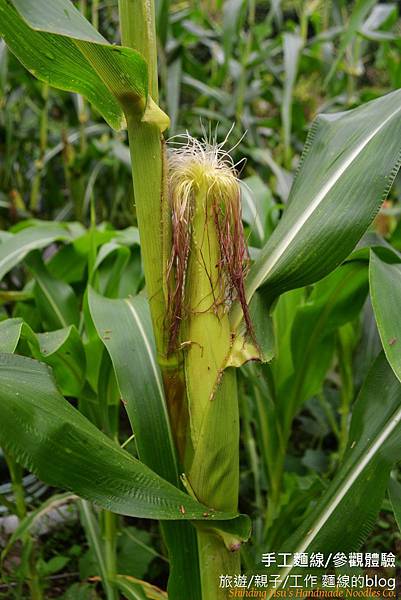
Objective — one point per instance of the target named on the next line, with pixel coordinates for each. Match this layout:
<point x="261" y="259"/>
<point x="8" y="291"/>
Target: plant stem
<point x="92" y="530"/>
<point x="146" y="151"/>
<point x="95" y="13"/>
<point x="147" y="161"/>
<point x="138" y="31"/>
<point x="17" y="486"/>
<point x="215" y="560"/>
<point x="19" y="495"/>
<point x="217" y="487"/>
<point x="214" y="476"/>
<point x="245" y="59"/>
<point x="345" y="348"/>
<point x="137" y="21"/>
<point x="36" y="184"/>
<point x="110" y="530"/>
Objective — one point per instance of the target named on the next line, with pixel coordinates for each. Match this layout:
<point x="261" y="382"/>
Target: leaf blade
<point x="348" y="156"/>
<point x="30" y="47"/>
<point x="14" y="250"/>
<point x="58" y="45"/>
<point x="125" y="328"/>
<point x="83" y="459"/>
<point x="361" y="482"/>
<point x="385" y="291"/>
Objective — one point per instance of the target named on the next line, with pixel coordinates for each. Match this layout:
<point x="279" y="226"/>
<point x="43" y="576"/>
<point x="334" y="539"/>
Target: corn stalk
<point x="138" y="32"/>
<point x="203" y="404"/>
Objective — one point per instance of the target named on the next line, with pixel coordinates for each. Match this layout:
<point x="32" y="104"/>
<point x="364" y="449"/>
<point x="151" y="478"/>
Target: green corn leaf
<point x="360" y="11"/>
<point x="348" y="166"/>
<point x="68" y="264"/>
<point x="163" y="13"/>
<point x="385" y="292"/>
<point x="61" y="349"/>
<point x="53" y="440"/>
<point x="231" y="25"/>
<point x="10" y="333"/>
<point x="334" y="301"/>
<point x="375" y="26"/>
<point x="59" y="46"/>
<point x="55" y="299"/>
<point x="394" y="492"/>
<point x="64" y="352"/>
<point x="130" y="589"/>
<point x="360" y="484"/>
<point x="14" y="249"/>
<point x="94" y="537"/>
<point x="256" y="198"/>
<point x="125" y="328"/>
<point x="292" y="45"/>
<point x="111" y="274"/>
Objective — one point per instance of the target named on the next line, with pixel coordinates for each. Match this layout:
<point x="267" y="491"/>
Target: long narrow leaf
<point x="385" y="291"/>
<point x="61" y="349"/>
<point x="55" y="299"/>
<point x="58" y="45"/>
<point x="361" y="9"/>
<point x="14" y="250"/>
<point x="359" y="487"/>
<point x="349" y="164"/>
<point x="94" y="538"/>
<point x="292" y="44"/>
<point x="134" y="589"/>
<point x="126" y="330"/>
<point x="38" y="423"/>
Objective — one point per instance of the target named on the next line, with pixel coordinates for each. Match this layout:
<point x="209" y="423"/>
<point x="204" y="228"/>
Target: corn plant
<point x="175" y="351"/>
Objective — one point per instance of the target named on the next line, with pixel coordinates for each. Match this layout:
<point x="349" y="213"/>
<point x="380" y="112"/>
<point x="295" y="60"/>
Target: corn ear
<point x="205" y="274"/>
